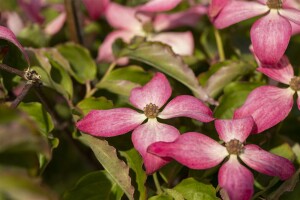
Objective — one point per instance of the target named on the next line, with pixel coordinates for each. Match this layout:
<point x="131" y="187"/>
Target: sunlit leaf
<point x="161" y="197"/>
<point x="284" y="150"/>
<point x="92" y="103"/>
<point x="192" y="189"/>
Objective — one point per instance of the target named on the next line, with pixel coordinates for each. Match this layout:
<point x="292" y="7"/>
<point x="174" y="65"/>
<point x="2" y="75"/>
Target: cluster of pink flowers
<point x="265" y="107"/>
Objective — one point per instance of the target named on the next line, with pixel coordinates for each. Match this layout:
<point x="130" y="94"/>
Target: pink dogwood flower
<point x="270" y="34"/>
<point x="96" y="8"/>
<point x="269" y="105"/>
<point x="134" y="23"/>
<point x="149" y="99"/>
<point x="198" y="151"/>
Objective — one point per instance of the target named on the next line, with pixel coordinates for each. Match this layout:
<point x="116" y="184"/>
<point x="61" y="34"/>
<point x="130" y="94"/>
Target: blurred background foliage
<point x="43" y="156"/>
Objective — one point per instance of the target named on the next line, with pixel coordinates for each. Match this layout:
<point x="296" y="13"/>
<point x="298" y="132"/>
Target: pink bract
<point x="270" y="34"/>
<point x="132" y="24"/>
<point x="149" y="99"/>
<point x="198" y="151"/>
<point x="8" y="35"/>
<point x="269" y="105"/>
<point x="96" y="8"/>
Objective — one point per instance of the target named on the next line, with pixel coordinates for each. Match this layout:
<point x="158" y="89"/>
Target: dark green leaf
<point x="234" y="96"/>
<point x="107" y="156"/>
<point x="39" y="115"/>
<point x="162" y="57"/>
<point x="83" y="67"/>
<point x="135" y="162"/>
<point x="95" y="186"/>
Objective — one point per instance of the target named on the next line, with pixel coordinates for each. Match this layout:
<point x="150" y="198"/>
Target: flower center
<point x="234" y="147"/>
<point x="295" y="83"/>
<point x="274" y="4"/>
<point x="151" y="110"/>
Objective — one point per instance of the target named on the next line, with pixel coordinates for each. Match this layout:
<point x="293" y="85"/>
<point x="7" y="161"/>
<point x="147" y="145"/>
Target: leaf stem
<point x="219" y="45"/>
<point x="89" y="91"/>
<point x="110" y="68"/>
<point x="156" y="182"/>
<point x="20" y="97"/>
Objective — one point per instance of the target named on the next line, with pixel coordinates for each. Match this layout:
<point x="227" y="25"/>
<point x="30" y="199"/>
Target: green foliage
<point x="123" y="80"/>
<point x="135" y="163"/>
<point x="234" y="96"/>
<point x="92" y="103"/>
<point x="95" y="185"/>
<point x="192" y="189"/>
<point x="107" y="156"/>
<point x="162" y="57"/>
<point x="82" y="66"/>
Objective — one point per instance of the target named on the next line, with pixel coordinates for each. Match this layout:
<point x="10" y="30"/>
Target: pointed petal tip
<point x="187" y="106"/>
<point x="109" y="123"/>
<point x="267" y="163"/>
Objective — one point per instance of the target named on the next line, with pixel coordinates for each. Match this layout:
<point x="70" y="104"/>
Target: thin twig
<point x="219" y="45"/>
<point x="74" y="24"/>
<point x="24" y="92"/>
<point x="12" y="70"/>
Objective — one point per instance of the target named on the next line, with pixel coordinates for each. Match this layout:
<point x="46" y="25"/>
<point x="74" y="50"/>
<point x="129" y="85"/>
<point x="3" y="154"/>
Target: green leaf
<point x="170" y="171"/>
<point x="33" y="36"/>
<point x="296" y="150"/>
<point x="234" y="96"/>
<point x="92" y="103"/>
<point x="21" y="140"/>
<point x="95" y="185"/>
<point x="162" y="57"/>
<point x="287" y="186"/>
<point x="229" y="72"/>
<point x="123" y="80"/>
<point x="39" y="115"/>
<point x="83" y="67"/>
<point x="173" y="193"/>
<point x="192" y="189"/>
<point x="16" y="184"/>
<point x="161" y="197"/>
<point x="135" y="162"/>
<point x="52" y="74"/>
<point x="107" y="156"/>
<point x="284" y="150"/>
